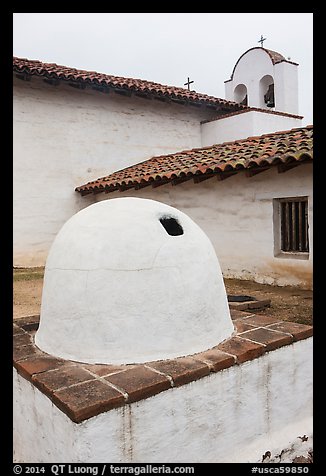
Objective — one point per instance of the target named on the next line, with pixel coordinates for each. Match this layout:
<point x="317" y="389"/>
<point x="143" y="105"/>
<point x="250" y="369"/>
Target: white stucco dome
<point x="130" y="280"/>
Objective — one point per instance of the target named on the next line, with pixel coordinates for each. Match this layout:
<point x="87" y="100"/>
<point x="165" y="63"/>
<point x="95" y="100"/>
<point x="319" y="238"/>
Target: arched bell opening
<point x="267" y="92"/>
<point x="241" y="94"/>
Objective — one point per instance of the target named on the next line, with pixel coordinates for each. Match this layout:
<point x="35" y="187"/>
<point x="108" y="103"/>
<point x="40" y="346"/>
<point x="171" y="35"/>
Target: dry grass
<point x="287" y="303"/>
<point x="28" y="274"/>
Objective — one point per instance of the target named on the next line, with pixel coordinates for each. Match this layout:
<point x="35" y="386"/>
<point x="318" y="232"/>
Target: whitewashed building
<point x="135" y="325"/>
<point x="176" y="146"/>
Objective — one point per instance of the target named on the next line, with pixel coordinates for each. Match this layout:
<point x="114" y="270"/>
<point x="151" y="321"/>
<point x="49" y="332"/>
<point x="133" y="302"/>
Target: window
<point x="291" y="227"/>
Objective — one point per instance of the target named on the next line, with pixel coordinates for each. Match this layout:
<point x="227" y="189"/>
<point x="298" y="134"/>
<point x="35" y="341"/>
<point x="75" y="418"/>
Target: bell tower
<point x="264" y="79"/>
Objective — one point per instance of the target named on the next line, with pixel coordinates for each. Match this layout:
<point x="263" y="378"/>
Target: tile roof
<point x="254" y="154"/>
<point x="52" y="71"/>
<point x="251" y="109"/>
<point x="275" y="57"/>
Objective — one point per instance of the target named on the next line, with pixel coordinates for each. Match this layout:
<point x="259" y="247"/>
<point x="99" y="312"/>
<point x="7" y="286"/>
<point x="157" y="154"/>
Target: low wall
<point x="251" y="399"/>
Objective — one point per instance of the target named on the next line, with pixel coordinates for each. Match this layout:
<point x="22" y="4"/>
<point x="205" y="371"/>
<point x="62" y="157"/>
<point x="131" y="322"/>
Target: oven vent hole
<point x="172" y="226"/>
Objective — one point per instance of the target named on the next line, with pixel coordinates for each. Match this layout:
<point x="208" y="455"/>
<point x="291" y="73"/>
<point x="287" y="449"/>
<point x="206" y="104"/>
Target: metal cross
<point x="188" y="83"/>
<point x="261" y="41"/>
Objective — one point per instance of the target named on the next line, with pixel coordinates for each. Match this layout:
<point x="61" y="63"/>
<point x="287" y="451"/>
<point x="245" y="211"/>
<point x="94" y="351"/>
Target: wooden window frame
<point x="291" y="227"/>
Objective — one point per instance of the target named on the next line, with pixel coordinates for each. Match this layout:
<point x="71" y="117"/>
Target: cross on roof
<point x="261" y="41"/>
<point x="188" y="83"/>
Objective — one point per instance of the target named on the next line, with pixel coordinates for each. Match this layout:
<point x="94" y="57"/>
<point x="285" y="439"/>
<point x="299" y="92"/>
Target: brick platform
<point x="82" y="390"/>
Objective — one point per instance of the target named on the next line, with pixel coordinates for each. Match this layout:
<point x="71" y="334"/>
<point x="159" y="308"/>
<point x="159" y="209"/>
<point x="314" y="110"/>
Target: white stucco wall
<point x="286" y="80"/>
<point x="251" y="67"/>
<point x="64" y="137"/>
<point x="235" y="415"/>
<point x="243" y="125"/>
<point x="237" y="216"/>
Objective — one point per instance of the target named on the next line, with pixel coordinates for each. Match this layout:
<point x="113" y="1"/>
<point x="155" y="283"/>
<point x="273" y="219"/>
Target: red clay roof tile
<point x="267" y="150"/>
<point x="54" y="71"/>
<point x="251" y="109"/>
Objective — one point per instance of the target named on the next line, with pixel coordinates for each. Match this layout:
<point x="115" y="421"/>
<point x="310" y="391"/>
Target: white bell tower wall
<point x="258" y="69"/>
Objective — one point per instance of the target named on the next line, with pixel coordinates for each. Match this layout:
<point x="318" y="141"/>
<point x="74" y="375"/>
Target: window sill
<point x="292" y="255"/>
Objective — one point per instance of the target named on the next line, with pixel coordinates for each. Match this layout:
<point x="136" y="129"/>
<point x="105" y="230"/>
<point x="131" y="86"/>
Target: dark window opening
<point x="172" y="226"/>
<point x="294" y="225"/>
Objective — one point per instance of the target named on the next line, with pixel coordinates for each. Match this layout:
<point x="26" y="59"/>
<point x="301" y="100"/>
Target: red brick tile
<point x="36" y="364"/>
<point x="235" y="314"/>
<point x="298" y="331"/>
<point x="81" y="395"/>
<point x="217" y="359"/>
<point x="139" y="382"/>
<point x="260" y="320"/>
<point x="241" y="325"/>
<point x="87" y="400"/>
<point x="271" y="339"/>
<point x="22" y="339"/>
<point x="21" y="352"/>
<point x="102" y="370"/>
<point x="182" y="370"/>
<point x="65" y="376"/>
<point x="243" y="349"/>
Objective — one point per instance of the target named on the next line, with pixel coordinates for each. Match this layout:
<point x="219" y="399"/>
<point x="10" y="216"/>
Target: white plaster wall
<point x="235" y="415"/>
<point x="41" y="432"/>
<point x="64" y="137"/>
<point x="286" y="85"/>
<point x="252" y="67"/>
<point x="237" y="216"/>
<point x="243" y="125"/>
